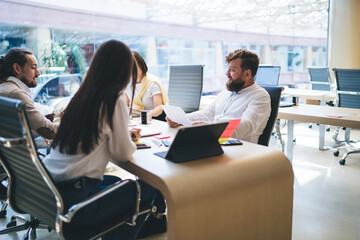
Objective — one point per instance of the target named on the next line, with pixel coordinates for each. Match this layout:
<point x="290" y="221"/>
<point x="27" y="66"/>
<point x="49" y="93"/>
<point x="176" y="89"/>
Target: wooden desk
<point x="246" y="193"/>
<point x="317" y="114"/>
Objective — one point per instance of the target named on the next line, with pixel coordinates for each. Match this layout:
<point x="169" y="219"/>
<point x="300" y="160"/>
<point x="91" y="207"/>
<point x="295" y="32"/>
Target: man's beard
<point x="234" y="86"/>
<point x="30" y="84"/>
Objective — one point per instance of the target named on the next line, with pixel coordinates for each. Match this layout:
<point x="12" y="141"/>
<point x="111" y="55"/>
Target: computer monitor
<point x="268" y="75"/>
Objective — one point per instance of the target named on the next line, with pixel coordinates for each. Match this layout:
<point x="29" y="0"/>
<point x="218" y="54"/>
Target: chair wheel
<point x="11" y="224"/>
<point x="3" y="214"/>
<point x="310" y="126"/>
<point x="336" y="154"/>
<point x="342" y="162"/>
<point x="328" y="129"/>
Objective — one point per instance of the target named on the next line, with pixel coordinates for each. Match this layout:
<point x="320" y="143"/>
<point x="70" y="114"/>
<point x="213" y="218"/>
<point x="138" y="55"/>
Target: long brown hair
<point x="108" y="74"/>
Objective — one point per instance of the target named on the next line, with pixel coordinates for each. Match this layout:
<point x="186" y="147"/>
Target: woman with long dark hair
<point x="93" y="131"/>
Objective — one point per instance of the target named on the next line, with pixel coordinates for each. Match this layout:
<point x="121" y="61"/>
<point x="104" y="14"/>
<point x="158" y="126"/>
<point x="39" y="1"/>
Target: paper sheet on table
<point x="340" y="115"/>
<point x="176" y="114"/>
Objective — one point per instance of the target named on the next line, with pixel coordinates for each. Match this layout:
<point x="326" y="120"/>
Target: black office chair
<point x="185" y="86"/>
<point x="348" y="95"/>
<point x="320" y="80"/>
<point x="275" y="95"/>
<point x="3" y="192"/>
<point x="32" y="190"/>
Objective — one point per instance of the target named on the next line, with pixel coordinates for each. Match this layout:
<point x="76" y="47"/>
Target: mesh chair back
<point x="275" y="94"/>
<point x="319" y="78"/>
<point x="29" y="184"/>
<point x="348" y="87"/>
<point x="185" y="86"/>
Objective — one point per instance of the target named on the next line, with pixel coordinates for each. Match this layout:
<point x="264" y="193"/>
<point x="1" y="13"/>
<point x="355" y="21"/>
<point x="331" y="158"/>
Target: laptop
<point x="195" y="142"/>
<point x="268" y="76"/>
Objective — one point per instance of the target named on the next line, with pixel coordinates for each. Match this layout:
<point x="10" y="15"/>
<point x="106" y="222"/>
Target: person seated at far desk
<point x="243" y="99"/>
<point x="80" y="152"/>
<point x="18" y="71"/>
<point x="147" y="91"/>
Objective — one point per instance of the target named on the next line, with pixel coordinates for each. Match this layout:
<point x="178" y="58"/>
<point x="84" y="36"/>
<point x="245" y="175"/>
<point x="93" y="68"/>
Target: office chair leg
<point x="3" y="210"/>
<point x="278" y="134"/>
<point x="14" y="219"/>
<point x="342" y="161"/>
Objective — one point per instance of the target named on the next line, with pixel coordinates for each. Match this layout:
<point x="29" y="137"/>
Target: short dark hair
<point x="14" y="55"/>
<point x="249" y="60"/>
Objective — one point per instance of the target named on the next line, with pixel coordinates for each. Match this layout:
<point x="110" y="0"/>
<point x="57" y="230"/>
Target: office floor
<point x="326" y="194"/>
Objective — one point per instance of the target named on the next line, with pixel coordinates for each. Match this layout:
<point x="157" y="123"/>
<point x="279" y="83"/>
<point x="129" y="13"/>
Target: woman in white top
<point x="93" y="131"/>
<point x="148" y="92"/>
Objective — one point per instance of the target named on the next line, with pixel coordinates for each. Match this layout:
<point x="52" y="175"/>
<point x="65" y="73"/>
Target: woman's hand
<point x="135" y="134"/>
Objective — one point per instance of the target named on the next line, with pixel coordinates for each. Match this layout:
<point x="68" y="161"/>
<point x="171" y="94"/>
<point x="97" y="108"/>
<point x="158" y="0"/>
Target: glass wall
<point x="69" y="48"/>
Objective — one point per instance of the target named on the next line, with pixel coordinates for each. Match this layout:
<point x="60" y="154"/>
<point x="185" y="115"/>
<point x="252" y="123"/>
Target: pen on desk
<point x="157" y="143"/>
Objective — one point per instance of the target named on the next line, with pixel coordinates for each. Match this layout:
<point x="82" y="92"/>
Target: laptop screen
<point x="268" y="75"/>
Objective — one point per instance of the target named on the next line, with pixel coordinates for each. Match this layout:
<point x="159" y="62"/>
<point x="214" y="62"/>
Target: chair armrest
<point x="10" y="142"/>
<point x="76" y="207"/>
<point x="41" y="154"/>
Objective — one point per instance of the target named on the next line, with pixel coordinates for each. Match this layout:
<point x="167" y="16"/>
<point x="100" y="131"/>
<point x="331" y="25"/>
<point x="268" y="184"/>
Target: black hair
<point x="14" y="55"/>
<point x="109" y="73"/>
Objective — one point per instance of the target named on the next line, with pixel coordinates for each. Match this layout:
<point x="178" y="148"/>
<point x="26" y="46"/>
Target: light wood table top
<point x="246" y="193"/>
<point x="335" y="116"/>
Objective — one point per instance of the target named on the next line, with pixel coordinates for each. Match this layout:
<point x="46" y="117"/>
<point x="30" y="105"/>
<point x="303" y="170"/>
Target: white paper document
<point x="176" y="114"/>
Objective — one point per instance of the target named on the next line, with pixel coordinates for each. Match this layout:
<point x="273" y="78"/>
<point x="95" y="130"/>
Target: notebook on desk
<point x="195" y="142"/>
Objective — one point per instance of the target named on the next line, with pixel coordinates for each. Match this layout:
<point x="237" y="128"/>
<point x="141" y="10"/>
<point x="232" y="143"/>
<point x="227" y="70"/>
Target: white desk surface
<point x="322" y="115"/>
<point x="309" y="94"/>
<point x="246" y="193"/>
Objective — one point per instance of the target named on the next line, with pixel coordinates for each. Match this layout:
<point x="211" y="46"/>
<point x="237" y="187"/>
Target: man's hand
<point x="135" y="134"/>
<point x="171" y="123"/>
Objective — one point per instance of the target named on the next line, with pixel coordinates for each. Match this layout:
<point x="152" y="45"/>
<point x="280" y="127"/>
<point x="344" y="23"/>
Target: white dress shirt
<point x="113" y="145"/>
<point x="14" y="88"/>
<point x="251" y="104"/>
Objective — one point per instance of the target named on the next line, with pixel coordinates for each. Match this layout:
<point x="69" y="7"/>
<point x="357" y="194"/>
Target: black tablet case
<point x="195" y="142"/>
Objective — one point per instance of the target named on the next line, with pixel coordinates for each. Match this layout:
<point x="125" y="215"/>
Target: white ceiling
<point x="289" y="17"/>
<point x="280" y="17"/>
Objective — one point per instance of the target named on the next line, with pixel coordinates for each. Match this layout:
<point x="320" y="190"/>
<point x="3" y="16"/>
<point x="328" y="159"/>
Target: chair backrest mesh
<point x="185" y="86"/>
<point x="348" y="87"/>
<point x="275" y="95"/>
<point x="29" y="192"/>
<point x="319" y="78"/>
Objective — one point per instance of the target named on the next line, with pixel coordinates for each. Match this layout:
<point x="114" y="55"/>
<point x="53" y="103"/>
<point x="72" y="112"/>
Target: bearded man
<point x="18" y="72"/>
<point x="242" y="98"/>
